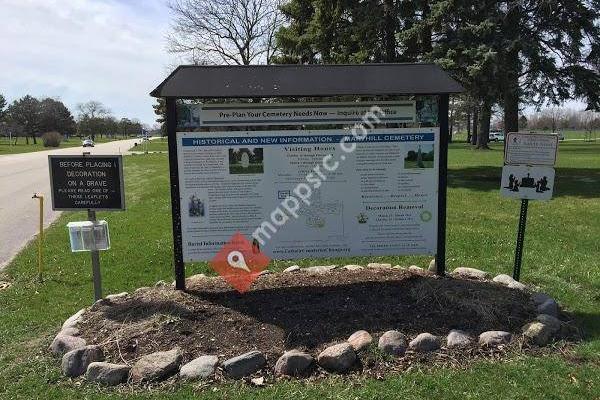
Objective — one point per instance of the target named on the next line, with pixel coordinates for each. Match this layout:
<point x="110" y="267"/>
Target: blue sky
<point x="112" y="51"/>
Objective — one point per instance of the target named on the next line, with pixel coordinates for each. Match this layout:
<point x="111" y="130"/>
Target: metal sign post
<point x="95" y="264"/>
<point x="520" y="239"/>
<point x="92" y="183"/>
<point x="40" y="197"/>
<point x="527" y="175"/>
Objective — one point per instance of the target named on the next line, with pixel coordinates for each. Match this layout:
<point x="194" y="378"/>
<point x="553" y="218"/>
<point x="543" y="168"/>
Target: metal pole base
<point x="520" y="239"/>
<point x="95" y="264"/>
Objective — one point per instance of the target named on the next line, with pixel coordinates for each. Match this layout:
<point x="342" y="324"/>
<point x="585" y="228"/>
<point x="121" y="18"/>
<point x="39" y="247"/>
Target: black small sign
<point x="87" y="182"/>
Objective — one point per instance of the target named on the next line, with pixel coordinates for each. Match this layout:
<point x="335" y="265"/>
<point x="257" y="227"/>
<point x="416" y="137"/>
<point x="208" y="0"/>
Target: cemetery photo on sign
<point x="246" y="160"/>
<point x="300" y="200"/>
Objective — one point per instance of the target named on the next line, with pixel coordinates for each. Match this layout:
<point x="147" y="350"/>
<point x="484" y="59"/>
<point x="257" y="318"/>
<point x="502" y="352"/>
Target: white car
<point x="496" y="136"/>
<point x="88" y="143"/>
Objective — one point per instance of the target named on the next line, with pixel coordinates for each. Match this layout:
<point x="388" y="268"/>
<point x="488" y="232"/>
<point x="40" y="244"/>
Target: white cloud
<point x="78" y="50"/>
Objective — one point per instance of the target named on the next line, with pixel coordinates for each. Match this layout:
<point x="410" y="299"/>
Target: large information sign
<point x="300" y="193"/>
<point x="86" y="182"/>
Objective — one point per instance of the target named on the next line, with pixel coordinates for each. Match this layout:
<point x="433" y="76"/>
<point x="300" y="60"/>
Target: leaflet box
<point x="88" y="235"/>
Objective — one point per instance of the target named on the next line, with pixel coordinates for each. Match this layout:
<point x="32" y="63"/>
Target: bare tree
<point x="556" y="115"/>
<point x="225" y="31"/>
<point x="92" y="109"/>
<point x="590" y="122"/>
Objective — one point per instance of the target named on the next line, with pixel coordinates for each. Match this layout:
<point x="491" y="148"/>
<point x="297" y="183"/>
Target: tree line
<point x="30" y="118"/>
<point x="557" y="118"/>
<point x="507" y="54"/>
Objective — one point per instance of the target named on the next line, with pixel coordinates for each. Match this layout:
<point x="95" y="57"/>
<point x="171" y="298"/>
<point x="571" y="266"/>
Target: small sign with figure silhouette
<point x="524" y="182"/>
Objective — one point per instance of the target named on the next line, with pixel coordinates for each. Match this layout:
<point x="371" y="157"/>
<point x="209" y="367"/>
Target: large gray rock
<point x="472" y="273"/>
<point x="116" y="296"/>
<point x="425" y="342"/>
<point x="457" y="338"/>
<point x="293" y="268"/>
<point x="379" y="265"/>
<point x="156" y="366"/>
<point x="517" y="286"/>
<point x="293" y="363"/>
<point x="508" y="281"/>
<point x="360" y="340"/>
<point x="76" y="362"/>
<point x="338" y="358"/>
<point x="432" y="266"/>
<point x="69" y="332"/>
<point x="538" y="333"/>
<point x="199" y="368"/>
<point x="317" y="269"/>
<point x="65" y="343"/>
<point x="494" y="338"/>
<point x="107" y="373"/>
<point x="539" y="298"/>
<point x="503" y="279"/>
<point x="548" y="307"/>
<point x="552" y="322"/>
<point x="245" y="364"/>
<point x="353" y="267"/>
<point x="73" y="320"/>
<point x="393" y="343"/>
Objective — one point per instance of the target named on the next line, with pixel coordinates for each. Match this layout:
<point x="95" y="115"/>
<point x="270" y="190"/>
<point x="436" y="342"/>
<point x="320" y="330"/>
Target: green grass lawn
<point x="569" y="135"/>
<point x="561" y="257"/>
<point x="160" y="144"/>
<point x="8" y="147"/>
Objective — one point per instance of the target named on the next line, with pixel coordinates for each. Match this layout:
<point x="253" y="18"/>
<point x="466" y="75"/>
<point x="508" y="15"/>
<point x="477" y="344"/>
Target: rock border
<point x="79" y="359"/>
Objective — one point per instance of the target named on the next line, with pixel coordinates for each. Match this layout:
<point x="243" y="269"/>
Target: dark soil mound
<point x="298" y="310"/>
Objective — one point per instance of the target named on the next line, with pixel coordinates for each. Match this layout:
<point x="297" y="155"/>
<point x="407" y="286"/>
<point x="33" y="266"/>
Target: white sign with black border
<point x="526" y="148"/>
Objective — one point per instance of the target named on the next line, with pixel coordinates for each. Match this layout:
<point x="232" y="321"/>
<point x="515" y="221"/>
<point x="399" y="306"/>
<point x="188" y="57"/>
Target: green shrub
<point x="52" y="139"/>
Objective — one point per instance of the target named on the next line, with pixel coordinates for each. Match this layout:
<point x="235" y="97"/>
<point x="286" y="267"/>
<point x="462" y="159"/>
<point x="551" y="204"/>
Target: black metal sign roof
<point x="189" y="81"/>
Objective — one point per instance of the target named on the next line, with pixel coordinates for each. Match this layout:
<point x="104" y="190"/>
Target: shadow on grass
<point x="590" y="323"/>
<point x="578" y="182"/>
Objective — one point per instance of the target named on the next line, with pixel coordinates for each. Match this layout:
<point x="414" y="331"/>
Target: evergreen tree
<point x="338" y="31"/>
<point x="55" y="116"/>
<point x="25" y="113"/>
<point x="509" y="52"/>
<point x="160" y="109"/>
<point x="549" y="52"/>
<point x="2" y="108"/>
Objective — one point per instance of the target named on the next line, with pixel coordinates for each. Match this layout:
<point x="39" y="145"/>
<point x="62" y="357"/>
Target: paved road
<point x="21" y="175"/>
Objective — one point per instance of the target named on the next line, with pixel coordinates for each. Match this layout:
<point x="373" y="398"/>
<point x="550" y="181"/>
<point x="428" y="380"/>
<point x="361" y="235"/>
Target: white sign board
<point x="531" y="148"/>
<point x="293" y="113"/>
<point x="527" y="182"/>
<point x="379" y="199"/>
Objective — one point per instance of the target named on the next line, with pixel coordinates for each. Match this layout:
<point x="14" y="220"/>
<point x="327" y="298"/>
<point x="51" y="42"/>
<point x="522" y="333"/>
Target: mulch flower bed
<point x="309" y="312"/>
